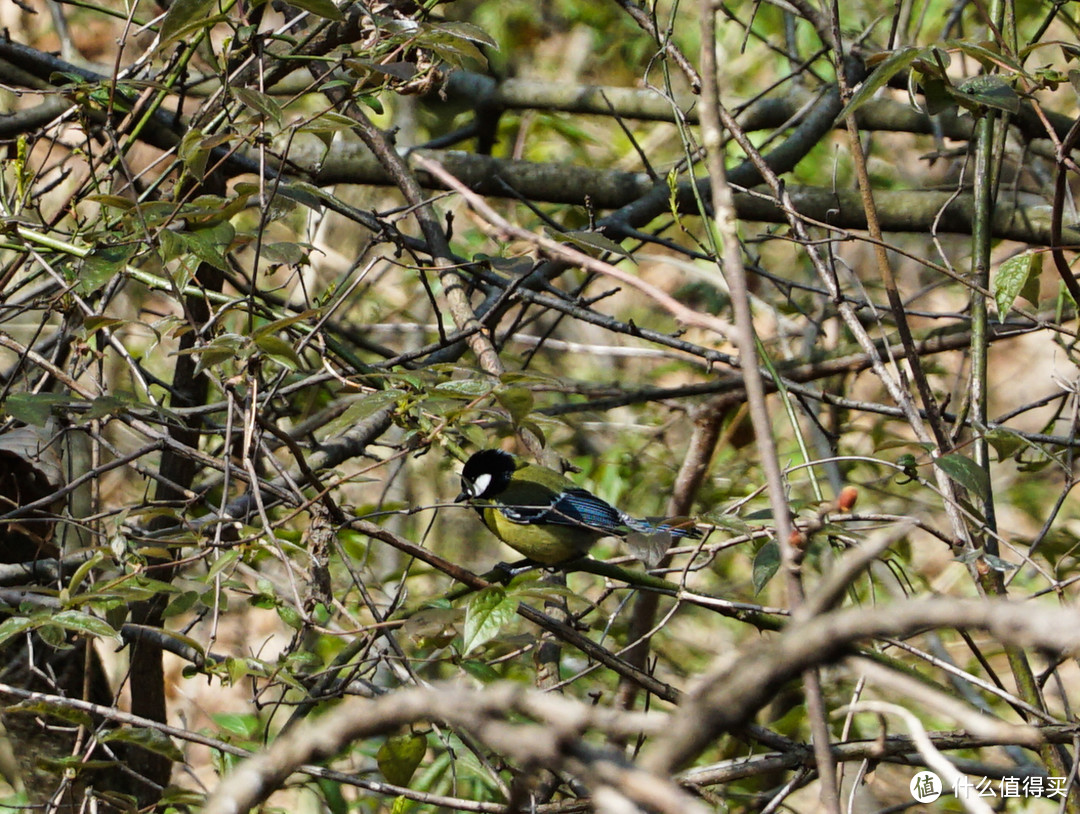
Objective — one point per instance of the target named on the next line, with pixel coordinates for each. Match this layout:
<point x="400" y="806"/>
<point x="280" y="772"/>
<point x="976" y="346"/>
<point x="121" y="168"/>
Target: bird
<point x="542" y="514"/>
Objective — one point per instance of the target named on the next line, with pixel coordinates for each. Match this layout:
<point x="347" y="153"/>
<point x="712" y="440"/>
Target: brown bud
<point x="847" y="498"/>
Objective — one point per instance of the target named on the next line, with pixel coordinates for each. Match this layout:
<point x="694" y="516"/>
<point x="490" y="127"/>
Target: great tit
<point x="542" y="514"/>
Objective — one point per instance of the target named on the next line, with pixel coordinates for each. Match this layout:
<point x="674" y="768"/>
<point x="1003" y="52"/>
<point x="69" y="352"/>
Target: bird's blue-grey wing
<point x="578" y="507"/>
<point x="571" y="507"/>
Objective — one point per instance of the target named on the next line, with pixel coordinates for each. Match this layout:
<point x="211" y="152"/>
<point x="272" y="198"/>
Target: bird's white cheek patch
<point x="481" y="484"/>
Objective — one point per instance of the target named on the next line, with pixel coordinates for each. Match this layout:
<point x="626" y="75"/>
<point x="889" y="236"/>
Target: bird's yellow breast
<point x="547" y="544"/>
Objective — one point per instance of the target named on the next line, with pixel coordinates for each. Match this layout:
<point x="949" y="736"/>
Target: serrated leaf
<point x="454" y="50"/>
<point x="262" y="104"/>
<point x="361" y="409"/>
<point x="211" y="243"/>
<point x="485" y="616"/>
<point x="1032" y="289"/>
<point x="290" y="616"/>
<point x="465" y="387"/>
<point x="399" y="757"/>
<point x="1010" y="279"/>
<point x="879" y="77"/>
<point x="966" y="472"/>
<point x="101" y="265"/>
<point x="766" y="564"/>
<point x="988" y="90"/>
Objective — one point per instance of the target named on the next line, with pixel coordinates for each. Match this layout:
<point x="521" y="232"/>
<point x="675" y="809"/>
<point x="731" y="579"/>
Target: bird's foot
<point x="505" y="571"/>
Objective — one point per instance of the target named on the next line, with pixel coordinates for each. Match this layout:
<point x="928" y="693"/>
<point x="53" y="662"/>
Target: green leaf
<point x="262" y="104"/>
<point x="332" y="796"/>
<point x="966" y="472"/>
<point x="362" y="408"/>
<point x="284" y="322"/>
<point x="193" y="153"/>
<point x="58" y="711"/>
<point x="109" y="406"/>
<point x="291" y="254"/>
<point x="290" y="616"/>
<point x="592" y="243"/>
<point x="113" y="201"/>
<point x="987" y="54"/>
<point x="465" y="387"/>
<point x="988" y="90"/>
<point x="998" y="564"/>
<point x="1032" y="290"/>
<point x="399" y="757"/>
<point x="879" y="77"/>
<point x="93" y="324"/>
<point x="485" y="616"/>
<point x="936" y="95"/>
<point x="280" y="350"/>
<point x="1005" y="442"/>
<point x="101" y="265"/>
<point x="468" y="31"/>
<point x="181" y="14"/>
<point x="220" y="349"/>
<point x="766" y="564"/>
<point x="328" y="122"/>
<point x="322" y="8"/>
<point x="225" y="561"/>
<point x="454" y="50"/>
<point x="240" y="724"/>
<point x="211" y="243"/>
<point x="152" y="740"/>
<point x="15" y="625"/>
<point x="81" y="622"/>
<point x="1011" y="277"/>
<point x="181" y="604"/>
<point x="518" y="401"/>
<point x="34" y="408"/>
<point x="480" y="670"/>
<point x="302" y="193"/>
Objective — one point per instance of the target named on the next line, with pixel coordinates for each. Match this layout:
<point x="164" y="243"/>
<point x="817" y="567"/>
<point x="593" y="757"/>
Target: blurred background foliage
<point x="229" y="346"/>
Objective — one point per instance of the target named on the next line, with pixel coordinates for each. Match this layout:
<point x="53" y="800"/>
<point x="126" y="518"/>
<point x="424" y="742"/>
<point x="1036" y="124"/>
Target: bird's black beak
<point x="462" y="497"/>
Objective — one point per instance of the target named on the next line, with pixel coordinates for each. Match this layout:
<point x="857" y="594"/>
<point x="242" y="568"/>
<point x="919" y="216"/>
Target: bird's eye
<point x="480" y="485"/>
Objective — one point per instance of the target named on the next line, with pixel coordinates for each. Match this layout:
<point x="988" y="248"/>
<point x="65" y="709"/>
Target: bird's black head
<point x="486" y="474"/>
